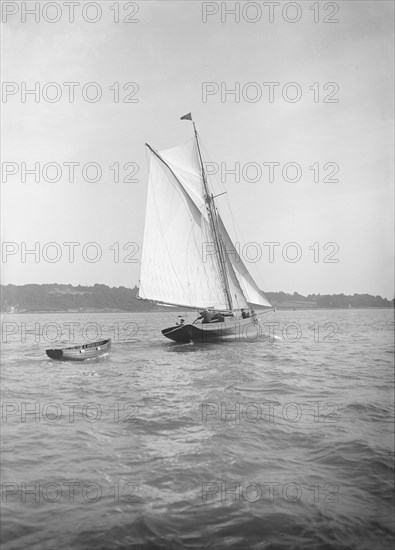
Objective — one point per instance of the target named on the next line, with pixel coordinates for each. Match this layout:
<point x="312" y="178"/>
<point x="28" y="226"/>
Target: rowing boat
<point x="80" y="353"/>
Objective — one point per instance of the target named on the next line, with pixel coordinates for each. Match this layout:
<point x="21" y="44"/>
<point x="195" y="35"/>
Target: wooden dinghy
<point x="80" y="353"/>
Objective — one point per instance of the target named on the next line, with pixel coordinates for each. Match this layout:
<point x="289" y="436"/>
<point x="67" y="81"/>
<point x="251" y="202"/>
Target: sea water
<point x="279" y="442"/>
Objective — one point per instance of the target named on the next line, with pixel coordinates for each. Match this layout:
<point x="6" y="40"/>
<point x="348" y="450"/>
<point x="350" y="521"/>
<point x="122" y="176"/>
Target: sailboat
<point x="188" y="258"/>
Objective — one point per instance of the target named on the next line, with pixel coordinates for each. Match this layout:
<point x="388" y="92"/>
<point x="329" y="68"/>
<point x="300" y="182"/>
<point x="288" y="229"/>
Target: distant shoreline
<point x="99" y="298"/>
<point x="168" y="310"/>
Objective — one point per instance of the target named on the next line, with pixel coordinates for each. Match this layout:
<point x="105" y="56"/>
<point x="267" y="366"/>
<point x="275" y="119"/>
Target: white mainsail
<point x="176" y="228"/>
<point x="176" y="266"/>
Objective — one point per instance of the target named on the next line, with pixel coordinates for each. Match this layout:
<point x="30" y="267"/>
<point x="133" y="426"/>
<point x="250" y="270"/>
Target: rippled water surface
<point x="261" y="445"/>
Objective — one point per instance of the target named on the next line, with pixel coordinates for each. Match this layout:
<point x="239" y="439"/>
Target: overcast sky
<point x="170" y="52"/>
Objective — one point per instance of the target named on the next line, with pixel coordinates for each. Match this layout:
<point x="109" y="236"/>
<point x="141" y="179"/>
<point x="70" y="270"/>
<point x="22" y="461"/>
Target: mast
<point x="213" y="219"/>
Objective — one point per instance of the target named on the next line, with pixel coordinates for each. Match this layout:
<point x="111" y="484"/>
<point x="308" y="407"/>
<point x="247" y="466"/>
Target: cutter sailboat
<point x="188" y="258"/>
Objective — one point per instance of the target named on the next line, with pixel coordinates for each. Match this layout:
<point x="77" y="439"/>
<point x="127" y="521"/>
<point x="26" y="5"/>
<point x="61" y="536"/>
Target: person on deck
<point x="205" y="315"/>
<point x="245" y="314"/>
<point x="218" y="318"/>
<point x="254" y="317"/>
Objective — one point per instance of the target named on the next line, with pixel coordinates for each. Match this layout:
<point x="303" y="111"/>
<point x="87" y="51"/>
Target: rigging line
<point x="233" y="219"/>
<point x="255" y="267"/>
<point x="214" y="225"/>
<point x="236" y="227"/>
<point x="229" y="263"/>
<point x="221" y="187"/>
<point x="235" y="271"/>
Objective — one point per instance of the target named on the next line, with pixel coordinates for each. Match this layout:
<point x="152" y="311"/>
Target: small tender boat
<point x="80" y="353"/>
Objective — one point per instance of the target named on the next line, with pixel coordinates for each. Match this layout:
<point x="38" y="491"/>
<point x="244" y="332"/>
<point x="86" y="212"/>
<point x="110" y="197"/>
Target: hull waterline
<point x="213" y="332"/>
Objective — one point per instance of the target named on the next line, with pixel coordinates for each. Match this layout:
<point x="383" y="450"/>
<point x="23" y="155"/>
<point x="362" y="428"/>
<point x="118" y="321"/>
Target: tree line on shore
<point x="61" y="297"/>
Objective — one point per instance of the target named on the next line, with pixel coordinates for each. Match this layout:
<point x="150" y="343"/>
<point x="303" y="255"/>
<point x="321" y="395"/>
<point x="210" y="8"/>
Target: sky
<point x="168" y="55"/>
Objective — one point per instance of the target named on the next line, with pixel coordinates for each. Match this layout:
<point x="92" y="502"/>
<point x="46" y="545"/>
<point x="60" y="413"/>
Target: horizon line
<point x="264" y="291"/>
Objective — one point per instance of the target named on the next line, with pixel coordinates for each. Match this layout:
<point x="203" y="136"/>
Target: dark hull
<point x="213" y="332"/>
<point x="81" y="353"/>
